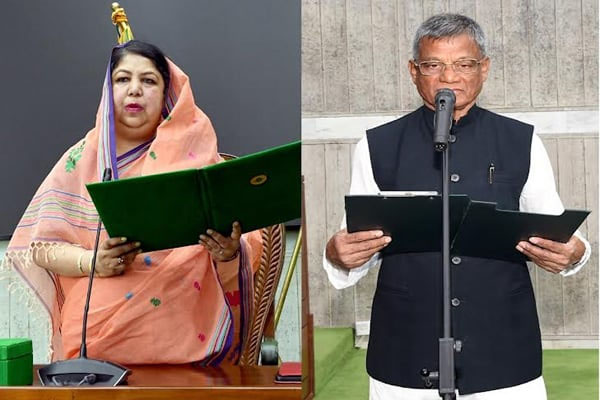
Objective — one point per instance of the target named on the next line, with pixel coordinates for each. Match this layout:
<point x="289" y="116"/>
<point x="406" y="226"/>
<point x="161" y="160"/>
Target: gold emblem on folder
<point x="258" y="180"/>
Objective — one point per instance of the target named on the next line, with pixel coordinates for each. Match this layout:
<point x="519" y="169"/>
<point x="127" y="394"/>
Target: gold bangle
<point x="79" y="263"/>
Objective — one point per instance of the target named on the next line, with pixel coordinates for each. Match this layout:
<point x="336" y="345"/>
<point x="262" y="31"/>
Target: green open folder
<point x="171" y="209"/>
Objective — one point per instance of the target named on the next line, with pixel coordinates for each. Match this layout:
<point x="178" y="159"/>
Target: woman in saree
<point x="190" y="304"/>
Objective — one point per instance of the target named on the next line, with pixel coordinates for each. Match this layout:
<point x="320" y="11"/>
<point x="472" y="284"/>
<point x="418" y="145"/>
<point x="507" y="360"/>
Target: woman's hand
<point x="114" y="255"/>
<point x="222" y="248"/>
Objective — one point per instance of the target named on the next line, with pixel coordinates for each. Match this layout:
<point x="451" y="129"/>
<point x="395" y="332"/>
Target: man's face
<point x="466" y="87"/>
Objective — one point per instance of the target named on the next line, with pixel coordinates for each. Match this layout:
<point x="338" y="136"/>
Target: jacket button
<point x="455" y="177"/>
<point x="456" y="260"/>
<point x="455" y="302"/>
<point x="452" y="138"/>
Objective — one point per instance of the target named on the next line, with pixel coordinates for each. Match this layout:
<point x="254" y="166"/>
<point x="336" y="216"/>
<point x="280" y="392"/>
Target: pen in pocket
<point x="491" y="170"/>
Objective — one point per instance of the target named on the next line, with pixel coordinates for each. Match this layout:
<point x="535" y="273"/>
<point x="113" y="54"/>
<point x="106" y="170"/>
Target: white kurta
<point x="538" y="196"/>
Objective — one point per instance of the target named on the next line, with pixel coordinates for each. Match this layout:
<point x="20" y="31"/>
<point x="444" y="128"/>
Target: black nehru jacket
<point x="493" y="307"/>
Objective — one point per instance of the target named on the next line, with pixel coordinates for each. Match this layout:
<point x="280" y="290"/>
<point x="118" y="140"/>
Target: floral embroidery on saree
<point x="155" y="301"/>
<point x="74" y="156"/>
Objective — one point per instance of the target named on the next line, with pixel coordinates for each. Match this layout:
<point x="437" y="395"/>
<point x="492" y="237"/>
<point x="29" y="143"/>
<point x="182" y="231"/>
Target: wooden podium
<point x="181" y="382"/>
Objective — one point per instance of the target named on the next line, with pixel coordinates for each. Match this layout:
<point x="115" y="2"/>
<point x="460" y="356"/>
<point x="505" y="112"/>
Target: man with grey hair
<point x="493" y="158"/>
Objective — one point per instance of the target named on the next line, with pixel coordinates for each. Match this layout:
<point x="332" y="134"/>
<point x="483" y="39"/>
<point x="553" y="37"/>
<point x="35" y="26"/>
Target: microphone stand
<point x="447" y="384"/>
<point x="445" y="377"/>
<point x="84" y="371"/>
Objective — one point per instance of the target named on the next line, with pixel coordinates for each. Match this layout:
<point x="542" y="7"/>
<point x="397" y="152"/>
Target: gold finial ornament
<point x="119" y="19"/>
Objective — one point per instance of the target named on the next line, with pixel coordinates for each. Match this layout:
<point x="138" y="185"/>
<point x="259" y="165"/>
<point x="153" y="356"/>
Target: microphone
<point x="442" y="121"/>
<point x="84" y="371"/>
<point x="106" y="176"/>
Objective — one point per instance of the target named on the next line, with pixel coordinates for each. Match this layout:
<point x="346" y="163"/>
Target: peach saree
<point x="170" y="306"/>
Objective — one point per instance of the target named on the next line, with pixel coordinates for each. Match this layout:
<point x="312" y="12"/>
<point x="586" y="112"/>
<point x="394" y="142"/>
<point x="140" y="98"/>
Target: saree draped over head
<point x="170" y="306"/>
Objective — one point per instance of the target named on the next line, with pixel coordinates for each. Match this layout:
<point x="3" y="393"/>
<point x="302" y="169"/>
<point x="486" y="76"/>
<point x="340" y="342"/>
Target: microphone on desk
<point x="442" y="121"/>
<point x="84" y="371"/>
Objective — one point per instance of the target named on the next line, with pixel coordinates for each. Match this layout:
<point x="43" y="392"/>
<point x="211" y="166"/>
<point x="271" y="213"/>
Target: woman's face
<point x="138" y="97"/>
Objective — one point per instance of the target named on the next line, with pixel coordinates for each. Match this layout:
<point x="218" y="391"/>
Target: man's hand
<point x="351" y="250"/>
<point x="552" y="256"/>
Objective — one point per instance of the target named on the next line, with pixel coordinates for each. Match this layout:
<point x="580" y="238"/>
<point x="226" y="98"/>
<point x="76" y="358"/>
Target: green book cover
<point x="171" y="209"/>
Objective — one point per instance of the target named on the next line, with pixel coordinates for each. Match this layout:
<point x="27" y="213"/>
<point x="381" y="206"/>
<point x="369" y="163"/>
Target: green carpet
<point x="569" y="374"/>
<point x="350" y="381"/>
<point x="331" y="348"/>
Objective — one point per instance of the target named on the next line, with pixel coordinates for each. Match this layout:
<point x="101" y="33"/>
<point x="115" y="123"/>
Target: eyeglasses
<point x="463" y="66"/>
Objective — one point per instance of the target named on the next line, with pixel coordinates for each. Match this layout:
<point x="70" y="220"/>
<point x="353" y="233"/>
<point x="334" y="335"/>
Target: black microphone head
<point x="445" y="98"/>
<point x="107" y="175"/>
<point x="442" y="120"/>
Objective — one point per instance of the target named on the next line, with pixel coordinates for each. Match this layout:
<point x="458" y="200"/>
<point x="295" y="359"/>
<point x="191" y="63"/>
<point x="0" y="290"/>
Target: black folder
<point x="413" y="222"/>
<point x="486" y="230"/>
<point x="477" y="229"/>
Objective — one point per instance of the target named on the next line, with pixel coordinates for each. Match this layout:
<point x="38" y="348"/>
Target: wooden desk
<point x="172" y="382"/>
